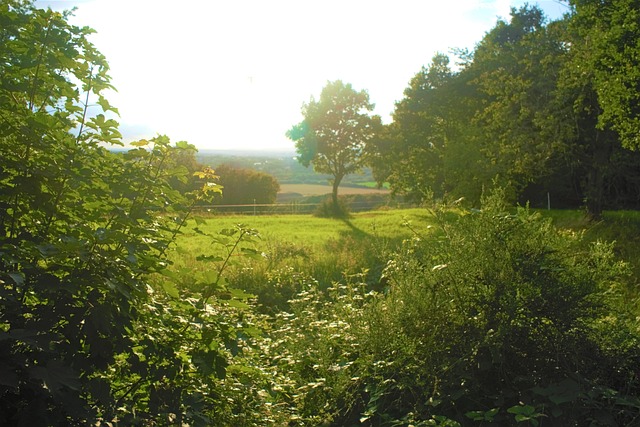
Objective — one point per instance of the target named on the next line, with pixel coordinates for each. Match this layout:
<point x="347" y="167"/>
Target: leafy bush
<point x="489" y="308"/>
<point x="246" y="186"/>
<point x="328" y="209"/>
<point x="86" y="338"/>
<point x="489" y="316"/>
<point x="316" y="348"/>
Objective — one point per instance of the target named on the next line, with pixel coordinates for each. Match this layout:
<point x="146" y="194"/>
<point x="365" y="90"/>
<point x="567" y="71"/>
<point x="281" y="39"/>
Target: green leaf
<point x="169" y="273"/>
<point x="210" y="276"/>
<point x="240" y="294"/>
<point x="184" y="145"/>
<point x="140" y="143"/>
<point x="211" y="362"/>
<point x="106" y="106"/>
<point x="237" y="304"/>
<point x="56" y="376"/>
<point x="170" y="289"/>
<point x="228" y="231"/>
<point x="17" y="277"/>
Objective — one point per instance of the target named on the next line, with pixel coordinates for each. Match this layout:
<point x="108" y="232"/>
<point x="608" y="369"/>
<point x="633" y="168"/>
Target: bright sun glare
<point x="233" y="75"/>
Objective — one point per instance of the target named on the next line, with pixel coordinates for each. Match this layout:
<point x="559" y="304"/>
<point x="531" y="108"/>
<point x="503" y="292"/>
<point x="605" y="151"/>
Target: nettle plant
<point x="86" y="338"/>
<point x="314" y="352"/>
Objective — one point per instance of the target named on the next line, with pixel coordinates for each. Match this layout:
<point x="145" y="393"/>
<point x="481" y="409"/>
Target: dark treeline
<point x="538" y="107"/>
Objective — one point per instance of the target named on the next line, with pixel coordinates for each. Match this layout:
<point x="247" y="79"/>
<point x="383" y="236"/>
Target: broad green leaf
<point x="140" y="143"/>
<point x="18" y="278"/>
<point x="237" y="304"/>
<point x="170" y="289"/>
<point x="228" y="231"/>
<point x="169" y="273"/>
<point x="240" y="294"/>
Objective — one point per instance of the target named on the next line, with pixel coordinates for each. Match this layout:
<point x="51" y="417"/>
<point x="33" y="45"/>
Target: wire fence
<point x="293" y="208"/>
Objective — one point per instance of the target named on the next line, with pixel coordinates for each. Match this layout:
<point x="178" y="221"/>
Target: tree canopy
<point x="547" y="110"/>
<point x="335" y="130"/>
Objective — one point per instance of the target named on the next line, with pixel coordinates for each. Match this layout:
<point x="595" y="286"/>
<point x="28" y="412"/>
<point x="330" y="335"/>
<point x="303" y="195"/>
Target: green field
<point x="324" y="249"/>
<point x="330" y="250"/>
<point x="310" y="230"/>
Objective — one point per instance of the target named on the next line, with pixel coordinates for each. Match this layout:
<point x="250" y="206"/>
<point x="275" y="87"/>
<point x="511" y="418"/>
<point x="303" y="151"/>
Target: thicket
<point x="246" y="186"/>
<point x="88" y="336"/>
<point x="489" y="315"/>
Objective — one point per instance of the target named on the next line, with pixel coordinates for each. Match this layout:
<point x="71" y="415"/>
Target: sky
<point x="234" y="74"/>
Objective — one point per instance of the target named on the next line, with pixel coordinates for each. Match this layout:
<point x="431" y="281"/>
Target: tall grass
<point x="297" y="249"/>
<point x="622" y="228"/>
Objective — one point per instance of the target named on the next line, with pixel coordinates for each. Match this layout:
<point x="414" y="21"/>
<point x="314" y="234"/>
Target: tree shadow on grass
<point x="354" y="231"/>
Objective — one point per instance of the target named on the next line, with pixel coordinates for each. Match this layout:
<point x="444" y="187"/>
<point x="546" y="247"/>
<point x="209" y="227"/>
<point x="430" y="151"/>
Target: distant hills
<point x="283" y="165"/>
<point x="247" y="153"/>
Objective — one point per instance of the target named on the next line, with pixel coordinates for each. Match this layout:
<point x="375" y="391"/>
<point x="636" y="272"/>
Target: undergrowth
<point x="488" y="316"/>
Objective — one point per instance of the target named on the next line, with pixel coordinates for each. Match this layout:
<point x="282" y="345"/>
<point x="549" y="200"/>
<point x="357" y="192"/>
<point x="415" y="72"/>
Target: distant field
<point x="318" y="190"/>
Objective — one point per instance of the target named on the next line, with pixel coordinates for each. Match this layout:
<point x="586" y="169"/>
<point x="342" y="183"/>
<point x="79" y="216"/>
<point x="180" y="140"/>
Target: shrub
<point x="496" y="308"/>
<point x="492" y="315"/>
<point x="327" y="209"/>
<point x="315" y="347"/>
<point x="246" y="186"/>
<point x="85" y="338"/>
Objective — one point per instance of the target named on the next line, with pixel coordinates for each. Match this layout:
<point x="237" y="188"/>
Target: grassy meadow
<point x="287" y="250"/>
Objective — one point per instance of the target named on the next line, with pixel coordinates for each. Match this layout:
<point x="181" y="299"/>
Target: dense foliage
<point x="86" y="338"/>
<point x="489" y="316"/>
<point x="547" y="110"/>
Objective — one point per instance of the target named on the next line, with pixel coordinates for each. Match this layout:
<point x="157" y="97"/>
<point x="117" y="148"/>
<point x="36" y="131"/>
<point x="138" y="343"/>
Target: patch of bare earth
<point x="316" y="189"/>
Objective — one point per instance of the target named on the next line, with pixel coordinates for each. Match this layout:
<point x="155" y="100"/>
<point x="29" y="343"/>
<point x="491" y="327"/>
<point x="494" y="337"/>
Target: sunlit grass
<point x="299" y="248"/>
<point x="621" y="227"/>
<point x="307" y="230"/>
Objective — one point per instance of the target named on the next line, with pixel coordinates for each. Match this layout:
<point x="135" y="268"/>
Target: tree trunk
<point x="594" y="192"/>
<point x="334" y="195"/>
<point x="593" y="199"/>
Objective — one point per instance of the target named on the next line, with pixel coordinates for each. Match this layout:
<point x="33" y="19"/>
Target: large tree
<point x="412" y="152"/>
<point x="515" y="70"/>
<point x="606" y="49"/>
<point x="334" y="133"/>
<point x="83" y="233"/>
<point x="602" y="78"/>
